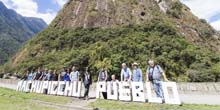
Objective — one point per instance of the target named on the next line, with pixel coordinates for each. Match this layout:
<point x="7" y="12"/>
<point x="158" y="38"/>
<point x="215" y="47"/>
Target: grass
<point x="118" y="105"/>
<point x="13" y="100"/>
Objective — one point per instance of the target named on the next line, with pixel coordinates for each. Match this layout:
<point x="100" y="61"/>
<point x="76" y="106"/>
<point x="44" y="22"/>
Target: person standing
<point x="43" y="75"/>
<point x="48" y="76"/>
<point x="62" y="73"/>
<point x="55" y="76"/>
<point x="30" y="76"/>
<point x="103" y="76"/>
<point x="114" y="80"/>
<point x="38" y="74"/>
<point x="66" y="76"/>
<point x="74" y="75"/>
<point x="87" y="81"/>
<point x="125" y="73"/>
<point x="154" y="74"/>
<point x="137" y="73"/>
<point x="25" y="76"/>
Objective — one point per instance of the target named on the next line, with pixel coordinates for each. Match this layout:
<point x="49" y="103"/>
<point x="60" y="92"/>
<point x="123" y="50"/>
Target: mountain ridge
<point x="86" y="33"/>
<point x="15" y="30"/>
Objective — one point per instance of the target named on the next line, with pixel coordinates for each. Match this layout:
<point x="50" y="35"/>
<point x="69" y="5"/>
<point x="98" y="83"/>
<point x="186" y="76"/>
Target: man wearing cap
<point x="125" y="73"/>
<point x="137" y="73"/>
<point x="154" y="73"/>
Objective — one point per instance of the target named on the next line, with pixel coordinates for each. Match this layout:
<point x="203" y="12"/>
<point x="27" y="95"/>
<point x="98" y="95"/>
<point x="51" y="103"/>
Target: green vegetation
<point x="12" y="100"/>
<point x="118" y="105"/>
<point x="176" y="9"/>
<point x="96" y="47"/>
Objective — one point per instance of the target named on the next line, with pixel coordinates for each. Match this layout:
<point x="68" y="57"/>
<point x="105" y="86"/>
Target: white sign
<point x="51" y="87"/>
<point x="150" y="96"/>
<point x="135" y="91"/>
<point x="138" y="91"/>
<point x="101" y="87"/>
<point x="112" y="90"/>
<point x="175" y="96"/>
<point x="124" y="91"/>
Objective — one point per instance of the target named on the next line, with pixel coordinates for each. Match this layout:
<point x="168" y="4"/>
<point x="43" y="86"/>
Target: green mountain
<point x="15" y="30"/>
<point x="107" y="33"/>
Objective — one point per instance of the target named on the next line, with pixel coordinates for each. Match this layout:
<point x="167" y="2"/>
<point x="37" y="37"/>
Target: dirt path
<point x="76" y="104"/>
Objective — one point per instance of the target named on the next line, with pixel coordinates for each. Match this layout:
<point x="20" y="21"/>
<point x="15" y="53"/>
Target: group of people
<point x="66" y="74"/>
<point x="154" y="74"/>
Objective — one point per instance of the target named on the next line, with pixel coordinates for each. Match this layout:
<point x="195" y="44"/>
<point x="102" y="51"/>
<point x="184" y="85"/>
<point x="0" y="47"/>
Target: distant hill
<point x="15" y="30"/>
<point x="107" y="33"/>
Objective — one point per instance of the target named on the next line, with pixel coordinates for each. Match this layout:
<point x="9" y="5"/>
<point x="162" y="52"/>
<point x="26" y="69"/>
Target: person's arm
<point x="163" y="74"/>
<point x="41" y="76"/>
<point x="58" y="77"/>
<point x="34" y="75"/>
<point x="98" y="77"/>
<point x="141" y="75"/>
<point x="106" y="74"/>
<point x="78" y="76"/>
<point x="147" y="77"/>
<point x="129" y="70"/>
<point x="165" y="77"/>
<point x="121" y="75"/>
<point x="71" y="76"/>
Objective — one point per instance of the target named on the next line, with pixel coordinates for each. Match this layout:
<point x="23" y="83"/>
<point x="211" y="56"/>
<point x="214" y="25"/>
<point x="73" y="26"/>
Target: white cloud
<point x="204" y="9"/>
<point x="60" y="2"/>
<point x="29" y="8"/>
<point x="216" y="24"/>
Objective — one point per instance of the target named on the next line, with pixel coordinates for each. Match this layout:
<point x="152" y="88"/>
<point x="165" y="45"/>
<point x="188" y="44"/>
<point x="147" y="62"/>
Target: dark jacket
<point x="89" y="80"/>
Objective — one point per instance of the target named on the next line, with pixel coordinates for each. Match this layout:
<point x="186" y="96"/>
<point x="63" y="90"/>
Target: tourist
<point x="114" y="80"/>
<point x="30" y="76"/>
<point x="103" y="76"/>
<point x="66" y="76"/>
<point x="43" y="75"/>
<point x="154" y="73"/>
<point x="87" y="81"/>
<point x="63" y="72"/>
<point x="125" y="73"/>
<point x="38" y="74"/>
<point x="48" y="76"/>
<point x="25" y="76"/>
<point x="137" y="73"/>
<point x="55" y="76"/>
<point x="74" y="75"/>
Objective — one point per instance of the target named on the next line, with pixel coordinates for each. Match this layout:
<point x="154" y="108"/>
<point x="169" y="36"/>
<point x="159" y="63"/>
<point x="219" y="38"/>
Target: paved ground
<point x="186" y="98"/>
<point x="200" y="99"/>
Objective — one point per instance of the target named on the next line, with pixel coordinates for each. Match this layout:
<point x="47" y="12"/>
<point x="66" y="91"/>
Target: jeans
<point x="86" y="94"/>
<point x="158" y="88"/>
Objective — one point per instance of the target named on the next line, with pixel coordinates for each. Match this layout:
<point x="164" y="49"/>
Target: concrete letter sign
<point x="77" y="88"/>
<point x="100" y="87"/>
<point x="124" y="91"/>
<point x="150" y="96"/>
<point x="68" y="89"/>
<point x="53" y="88"/>
<point x="61" y="88"/>
<point x="112" y="90"/>
<point x="138" y="91"/>
<point x="175" y="97"/>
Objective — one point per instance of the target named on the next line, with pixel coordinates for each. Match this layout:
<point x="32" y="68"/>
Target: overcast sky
<point x="47" y="9"/>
